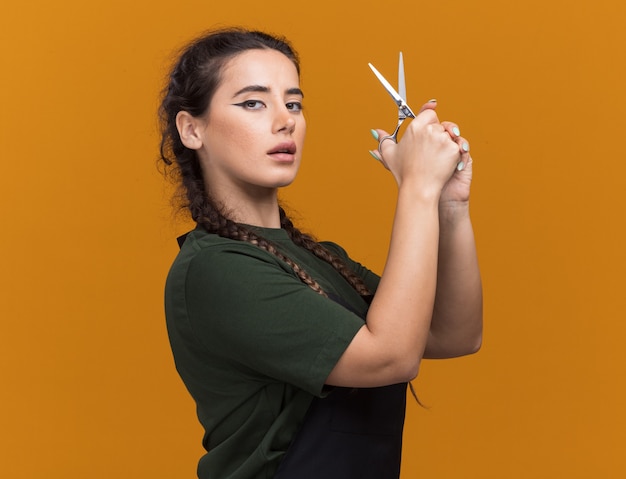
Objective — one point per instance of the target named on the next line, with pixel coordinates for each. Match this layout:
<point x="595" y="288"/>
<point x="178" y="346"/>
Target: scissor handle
<point x="393" y="136"/>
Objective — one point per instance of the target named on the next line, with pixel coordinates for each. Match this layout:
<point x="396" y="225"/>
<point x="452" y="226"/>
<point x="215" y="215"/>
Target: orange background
<point x="88" y="384"/>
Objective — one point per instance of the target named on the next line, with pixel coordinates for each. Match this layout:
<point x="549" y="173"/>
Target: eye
<point x="294" y="106"/>
<point x="251" y="104"/>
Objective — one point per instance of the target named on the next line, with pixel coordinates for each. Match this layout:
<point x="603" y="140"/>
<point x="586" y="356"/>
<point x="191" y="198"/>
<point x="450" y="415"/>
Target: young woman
<point x="297" y="356"/>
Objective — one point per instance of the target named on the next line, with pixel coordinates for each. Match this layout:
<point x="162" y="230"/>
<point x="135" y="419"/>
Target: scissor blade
<point x="391" y="90"/>
<point x="403" y="109"/>
<point x="401" y="83"/>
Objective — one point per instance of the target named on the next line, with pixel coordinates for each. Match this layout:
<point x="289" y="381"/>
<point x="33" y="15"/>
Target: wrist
<point x="453" y="211"/>
<point x="419" y="193"/>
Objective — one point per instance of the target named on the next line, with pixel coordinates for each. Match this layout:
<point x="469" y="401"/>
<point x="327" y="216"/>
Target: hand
<point x="457" y="189"/>
<point x="426" y="155"/>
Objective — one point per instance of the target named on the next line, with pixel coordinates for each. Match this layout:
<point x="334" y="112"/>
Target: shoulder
<point x="221" y="264"/>
<point x="335" y="249"/>
<point x="206" y="250"/>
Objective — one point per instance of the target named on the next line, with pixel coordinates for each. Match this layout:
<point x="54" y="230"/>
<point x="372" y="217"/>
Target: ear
<point x="189" y="129"/>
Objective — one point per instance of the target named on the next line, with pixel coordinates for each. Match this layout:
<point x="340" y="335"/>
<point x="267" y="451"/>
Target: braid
<point x="309" y="243"/>
<point x="191" y="84"/>
<point x="208" y="216"/>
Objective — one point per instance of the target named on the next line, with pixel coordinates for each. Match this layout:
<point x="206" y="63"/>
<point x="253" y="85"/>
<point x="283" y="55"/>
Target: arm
<point x="389" y="348"/>
<point x="456" y="327"/>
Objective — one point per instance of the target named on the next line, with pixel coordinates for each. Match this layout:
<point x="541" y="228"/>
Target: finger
<point x="376" y="155"/>
<point x="464" y="145"/>
<point x="465" y="162"/>
<point x="464" y="149"/>
<point x="452" y="129"/>
<point x="425" y="117"/>
<point x="429" y="105"/>
<point x="377" y="134"/>
<point x="385" y="147"/>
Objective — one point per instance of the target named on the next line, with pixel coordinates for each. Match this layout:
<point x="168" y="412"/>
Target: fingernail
<point x="456" y="131"/>
<point x="460" y="166"/>
<point x="465" y="147"/>
<point x="374" y="155"/>
<point x="433" y="100"/>
<point x="374" y="134"/>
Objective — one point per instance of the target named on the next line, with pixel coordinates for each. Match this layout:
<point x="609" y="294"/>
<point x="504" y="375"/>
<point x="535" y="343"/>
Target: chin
<point x="284" y="180"/>
<point x="282" y="184"/>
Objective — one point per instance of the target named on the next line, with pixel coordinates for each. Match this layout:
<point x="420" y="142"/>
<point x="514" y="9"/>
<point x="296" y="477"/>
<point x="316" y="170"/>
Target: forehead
<point x="260" y="67"/>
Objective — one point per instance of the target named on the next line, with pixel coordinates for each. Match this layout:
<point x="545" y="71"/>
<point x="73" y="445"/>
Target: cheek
<point x="228" y="136"/>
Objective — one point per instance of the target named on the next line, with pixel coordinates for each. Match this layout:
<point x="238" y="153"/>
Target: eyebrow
<point x="264" y="89"/>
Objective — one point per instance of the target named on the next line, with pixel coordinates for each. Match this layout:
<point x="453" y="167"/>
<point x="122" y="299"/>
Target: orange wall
<point x="88" y="385"/>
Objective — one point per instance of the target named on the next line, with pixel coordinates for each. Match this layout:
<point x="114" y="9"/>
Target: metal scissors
<point x="404" y="111"/>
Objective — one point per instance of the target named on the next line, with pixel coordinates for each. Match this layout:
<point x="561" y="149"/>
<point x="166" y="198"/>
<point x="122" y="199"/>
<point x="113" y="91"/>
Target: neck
<point x="256" y="207"/>
<point x="265" y="215"/>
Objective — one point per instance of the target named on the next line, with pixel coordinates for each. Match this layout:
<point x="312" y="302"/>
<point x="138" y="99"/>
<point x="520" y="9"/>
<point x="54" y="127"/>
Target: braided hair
<point x="190" y="87"/>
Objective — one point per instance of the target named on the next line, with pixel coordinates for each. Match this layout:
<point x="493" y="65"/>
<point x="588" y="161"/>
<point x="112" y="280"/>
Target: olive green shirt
<point x="254" y="344"/>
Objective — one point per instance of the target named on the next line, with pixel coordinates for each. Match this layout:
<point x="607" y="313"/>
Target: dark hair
<point x="191" y="86"/>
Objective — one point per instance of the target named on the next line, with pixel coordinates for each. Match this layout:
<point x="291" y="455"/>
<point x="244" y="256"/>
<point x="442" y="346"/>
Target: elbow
<point x="454" y="348"/>
<point x="476" y="340"/>
<point x="412" y="373"/>
<point x="397" y="367"/>
<point x="408" y="369"/>
<point x="472" y="345"/>
<point x="472" y="340"/>
<point x="478" y="344"/>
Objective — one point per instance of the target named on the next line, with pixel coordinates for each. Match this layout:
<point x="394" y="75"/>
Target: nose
<point x="284" y="121"/>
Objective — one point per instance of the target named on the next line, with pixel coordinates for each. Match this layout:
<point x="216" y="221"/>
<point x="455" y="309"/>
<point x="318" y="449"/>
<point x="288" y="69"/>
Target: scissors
<point x="404" y="111"/>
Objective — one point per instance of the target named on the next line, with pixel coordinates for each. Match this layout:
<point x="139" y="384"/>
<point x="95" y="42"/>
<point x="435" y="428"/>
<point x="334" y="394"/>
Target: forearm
<point x="401" y="311"/>
<point x="389" y="347"/>
<point x="456" y="327"/>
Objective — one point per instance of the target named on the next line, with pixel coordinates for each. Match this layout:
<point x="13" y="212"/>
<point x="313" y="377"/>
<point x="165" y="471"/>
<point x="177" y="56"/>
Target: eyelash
<point x="297" y="104"/>
<point x="294" y="106"/>
<point x="249" y="104"/>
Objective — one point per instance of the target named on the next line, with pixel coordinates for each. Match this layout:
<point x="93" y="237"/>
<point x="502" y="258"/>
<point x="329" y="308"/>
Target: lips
<point x="288" y="147"/>
<point x="284" y="151"/>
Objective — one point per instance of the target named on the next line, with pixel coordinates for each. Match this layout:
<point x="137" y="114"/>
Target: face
<point x="253" y="133"/>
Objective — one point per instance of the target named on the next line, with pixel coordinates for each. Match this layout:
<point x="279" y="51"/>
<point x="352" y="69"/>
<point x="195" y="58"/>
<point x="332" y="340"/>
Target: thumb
<point x="429" y="105"/>
<point x="426" y="116"/>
